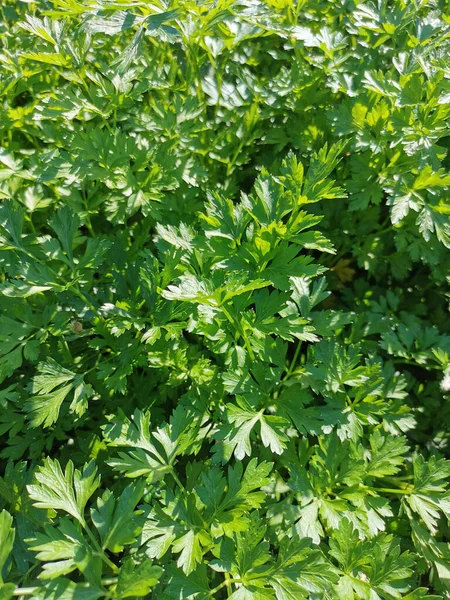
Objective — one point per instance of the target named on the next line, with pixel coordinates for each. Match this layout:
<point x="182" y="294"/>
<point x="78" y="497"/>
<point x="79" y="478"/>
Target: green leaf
<point x="63" y="550"/>
<point x="65" y="224"/>
<point x="236" y="437"/>
<point x="44" y="407"/>
<point x="120" y="20"/>
<point x="224" y="218"/>
<point x="385" y="570"/>
<point x="11" y="221"/>
<point x="49" y="58"/>
<point x="225" y="499"/>
<point x="387" y="454"/>
<point x="270" y="203"/>
<point x="7" y="535"/>
<point x="117" y="521"/>
<point x="68" y="491"/>
<point x="191" y="551"/>
<point x="430" y="495"/>
<point x="155" y="452"/>
<point x="7" y="590"/>
<point x="305" y="298"/>
<point x="302" y="566"/>
<point x="317" y="185"/>
<point x="436" y="554"/>
<point x="224" y="268"/>
<point x="137" y="580"/>
<point x="39" y="27"/>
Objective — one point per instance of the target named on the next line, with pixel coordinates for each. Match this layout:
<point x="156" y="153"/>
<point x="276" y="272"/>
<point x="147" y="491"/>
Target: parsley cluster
<point x="224" y="269"/>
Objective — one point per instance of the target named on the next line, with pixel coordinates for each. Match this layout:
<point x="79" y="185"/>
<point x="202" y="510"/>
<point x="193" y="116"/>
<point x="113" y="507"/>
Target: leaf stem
<point x="225" y="583"/>
<point x="231" y="164"/>
<point x="178" y="482"/>
<point x="28" y="591"/>
<point x="83" y="297"/>
<point x="391" y="491"/>
<point x="99" y="549"/>
<point x="401" y="478"/>
<point x="25" y="591"/>
<point x="110" y="581"/>
<point x="413" y="363"/>
<point x="293" y="361"/>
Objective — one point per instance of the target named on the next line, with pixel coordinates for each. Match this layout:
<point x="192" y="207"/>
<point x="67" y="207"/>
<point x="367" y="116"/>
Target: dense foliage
<point x="224" y="332"/>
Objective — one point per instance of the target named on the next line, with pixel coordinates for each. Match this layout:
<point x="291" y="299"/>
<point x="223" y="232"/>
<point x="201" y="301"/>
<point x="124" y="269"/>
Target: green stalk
<point x="293" y="361"/>
<point x="392" y="491"/>
<point x="225" y="583"/>
<point x="114" y="568"/>
<point x="25" y="591"/>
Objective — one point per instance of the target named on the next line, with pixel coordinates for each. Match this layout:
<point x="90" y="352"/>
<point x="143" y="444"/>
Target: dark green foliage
<point x="224" y="268"/>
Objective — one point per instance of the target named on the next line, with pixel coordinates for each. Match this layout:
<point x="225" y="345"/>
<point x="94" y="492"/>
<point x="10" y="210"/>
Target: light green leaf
<point x="430" y="496"/>
<point x="65" y="224"/>
<point x="137" y="580"/>
<point x="7" y="535"/>
<point x="44" y="407"/>
<point x="191" y="551"/>
<point x="68" y="491"/>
